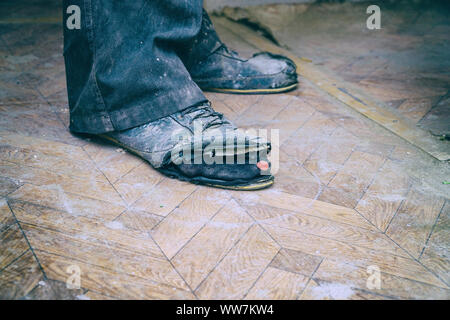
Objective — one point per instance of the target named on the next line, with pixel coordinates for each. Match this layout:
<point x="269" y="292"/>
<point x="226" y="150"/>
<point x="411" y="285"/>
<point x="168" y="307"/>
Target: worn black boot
<point x="214" y="67"/>
<point x="201" y="146"/>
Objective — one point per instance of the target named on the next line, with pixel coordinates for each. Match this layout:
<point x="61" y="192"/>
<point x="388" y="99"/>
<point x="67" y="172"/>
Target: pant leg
<point x="121" y="65"/>
<point x="202" y="45"/>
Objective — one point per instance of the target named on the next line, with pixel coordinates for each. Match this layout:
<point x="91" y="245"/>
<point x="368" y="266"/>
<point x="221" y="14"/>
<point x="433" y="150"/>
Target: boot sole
<point x="259" y="183"/>
<point x="253" y="91"/>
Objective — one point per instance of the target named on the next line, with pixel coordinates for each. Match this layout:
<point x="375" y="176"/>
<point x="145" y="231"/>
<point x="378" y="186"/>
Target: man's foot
<point x="225" y="71"/>
<point x="199" y="145"/>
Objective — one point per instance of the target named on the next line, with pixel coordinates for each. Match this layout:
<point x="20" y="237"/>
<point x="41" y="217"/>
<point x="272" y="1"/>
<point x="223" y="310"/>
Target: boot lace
<point x="210" y="118"/>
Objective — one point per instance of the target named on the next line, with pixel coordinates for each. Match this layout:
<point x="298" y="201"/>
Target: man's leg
<point x="127" y="84"/>
<point x="122" y="68"/>
<point x="216" y="68"/>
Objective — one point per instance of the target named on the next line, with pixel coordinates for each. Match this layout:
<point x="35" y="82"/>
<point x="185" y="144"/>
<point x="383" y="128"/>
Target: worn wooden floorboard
<point x="349" y="195"/>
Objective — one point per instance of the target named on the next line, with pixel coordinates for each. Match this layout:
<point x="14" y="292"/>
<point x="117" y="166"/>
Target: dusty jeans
<point x="123" y="63"/>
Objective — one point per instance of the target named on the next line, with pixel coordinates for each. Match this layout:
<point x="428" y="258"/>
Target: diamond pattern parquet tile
<point x="348" y="195"/>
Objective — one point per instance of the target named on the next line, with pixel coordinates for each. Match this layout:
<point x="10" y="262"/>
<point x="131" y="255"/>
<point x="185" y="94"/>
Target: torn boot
<point x="201" y="146"/>
<point x="220" y="69"/>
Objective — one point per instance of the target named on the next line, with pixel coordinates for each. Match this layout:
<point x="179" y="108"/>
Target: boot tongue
<point x="208" y="117"/>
